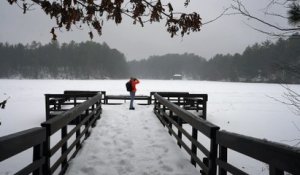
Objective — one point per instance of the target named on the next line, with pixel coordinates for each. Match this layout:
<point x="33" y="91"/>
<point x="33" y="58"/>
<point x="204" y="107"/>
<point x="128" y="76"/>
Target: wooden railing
<point x="58" y="103"/>
<point x="185" y="100"/>
<point x="171" y="115"/>
<point x="109" y="98"/>
<point x="280" y="158"/>
<point x="31" y="138"/>
<point x="83" y="116"/>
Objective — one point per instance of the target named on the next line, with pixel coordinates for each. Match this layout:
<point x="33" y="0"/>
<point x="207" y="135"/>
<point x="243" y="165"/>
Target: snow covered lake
<point x="245" y="108"/>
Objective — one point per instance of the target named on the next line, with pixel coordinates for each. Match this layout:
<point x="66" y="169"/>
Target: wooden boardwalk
<point x="130" y="142"/>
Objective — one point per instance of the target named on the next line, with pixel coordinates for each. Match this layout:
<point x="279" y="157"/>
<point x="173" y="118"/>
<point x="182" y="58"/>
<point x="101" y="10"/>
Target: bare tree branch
<point x="240" y="9"/>
<point x="222" y="14"/>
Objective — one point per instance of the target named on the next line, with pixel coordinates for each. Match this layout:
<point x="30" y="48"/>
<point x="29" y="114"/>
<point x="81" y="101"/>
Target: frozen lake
<point x="245" y="108"/>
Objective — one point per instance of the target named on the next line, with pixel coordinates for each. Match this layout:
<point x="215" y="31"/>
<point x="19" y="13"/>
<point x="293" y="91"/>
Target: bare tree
<point x="94" y="13"/>
<point x="291" y="13"/>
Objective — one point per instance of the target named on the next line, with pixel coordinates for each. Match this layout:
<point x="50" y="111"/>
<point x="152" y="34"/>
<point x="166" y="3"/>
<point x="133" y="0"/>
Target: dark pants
<point x="132" y="95"/>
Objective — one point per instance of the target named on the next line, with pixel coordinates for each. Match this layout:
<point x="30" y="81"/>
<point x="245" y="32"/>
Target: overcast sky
<point x="229" y="34"/>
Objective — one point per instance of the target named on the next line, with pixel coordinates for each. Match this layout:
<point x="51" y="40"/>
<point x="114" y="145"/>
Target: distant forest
<point x="277" y="62"/>
<point x="87" y="60"/>
<point x="264" y="62"/>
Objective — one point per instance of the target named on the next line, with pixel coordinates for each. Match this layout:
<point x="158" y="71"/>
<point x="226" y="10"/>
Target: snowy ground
<point x="245" y="108"/>
<point x="130" y="142"/>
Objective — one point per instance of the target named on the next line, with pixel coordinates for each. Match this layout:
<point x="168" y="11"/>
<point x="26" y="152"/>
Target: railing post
<point x="38" y="154"/>
<point x="103" y="97"/>
<point x="46" y="152"/>
<point x="64" y="147"/>
<point x="193" y="146"/>
<point x="212" y="168"/>
<point x="162" y="116"/>
<point x="94" y="115"/>
<point x="179" y="121"/>
<point x="87" y="133"/>
<point x="205" y="98"/>
<point x="75" y="101"/>
<point x="206" y="162"/>
<point x="78" y="132"/>
<point x="155" y="105"/>
<point x="275" y="171"/>
<point x="47" y="106"/>
<point x="222" y="157"/>
<point x="170" y="123"/>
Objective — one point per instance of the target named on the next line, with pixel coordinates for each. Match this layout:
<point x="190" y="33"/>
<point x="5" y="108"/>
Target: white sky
<point x="229" y="34"/>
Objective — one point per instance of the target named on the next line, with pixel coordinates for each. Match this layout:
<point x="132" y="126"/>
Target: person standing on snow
<point x="133" y="82"/>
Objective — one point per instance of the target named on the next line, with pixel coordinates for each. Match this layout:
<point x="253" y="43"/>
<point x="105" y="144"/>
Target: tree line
<point x="264" y="62"/>
<point x="277" y="62"/>
<point x="86" y="60"/>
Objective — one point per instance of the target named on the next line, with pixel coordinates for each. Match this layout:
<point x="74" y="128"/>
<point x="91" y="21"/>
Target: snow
<point x="130" y="142"/>
<point x="245" y="108"/>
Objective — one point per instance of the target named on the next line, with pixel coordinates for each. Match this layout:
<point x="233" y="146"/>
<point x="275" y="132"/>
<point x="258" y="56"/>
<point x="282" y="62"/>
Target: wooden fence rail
<point x="280" y="158"/>
<point x="31" y="138"/>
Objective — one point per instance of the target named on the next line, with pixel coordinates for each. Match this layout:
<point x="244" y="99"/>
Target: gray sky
<point x="228" y="34"/>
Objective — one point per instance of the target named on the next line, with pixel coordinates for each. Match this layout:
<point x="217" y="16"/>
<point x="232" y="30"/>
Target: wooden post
<point x="162" y="116"/>
<point x="46" y="151"/>
<point x="275" y="171"/>
<point x="87" y="133"/>
<point x="204" y="110"/>
<point x="222" y="157"/>
<point x="38" y="154"/>
<point x="94" y="112"/>
<point x="193" y="146"/>
<point x="170" y="123"/>
<point x="64" y="132"/>
<point x="212" y="168"/>
<point x="78" y="132"/>
<point x="155" y="105"/>
<point x="205" y="98"/>
<point x="47" y="106"/>
<point x="75" y="101"/>
<point x="206" y="162"/>
<point x="179" y="121"/>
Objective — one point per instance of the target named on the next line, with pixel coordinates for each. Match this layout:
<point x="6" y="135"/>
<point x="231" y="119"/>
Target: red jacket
<point x="133" y="84"/>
